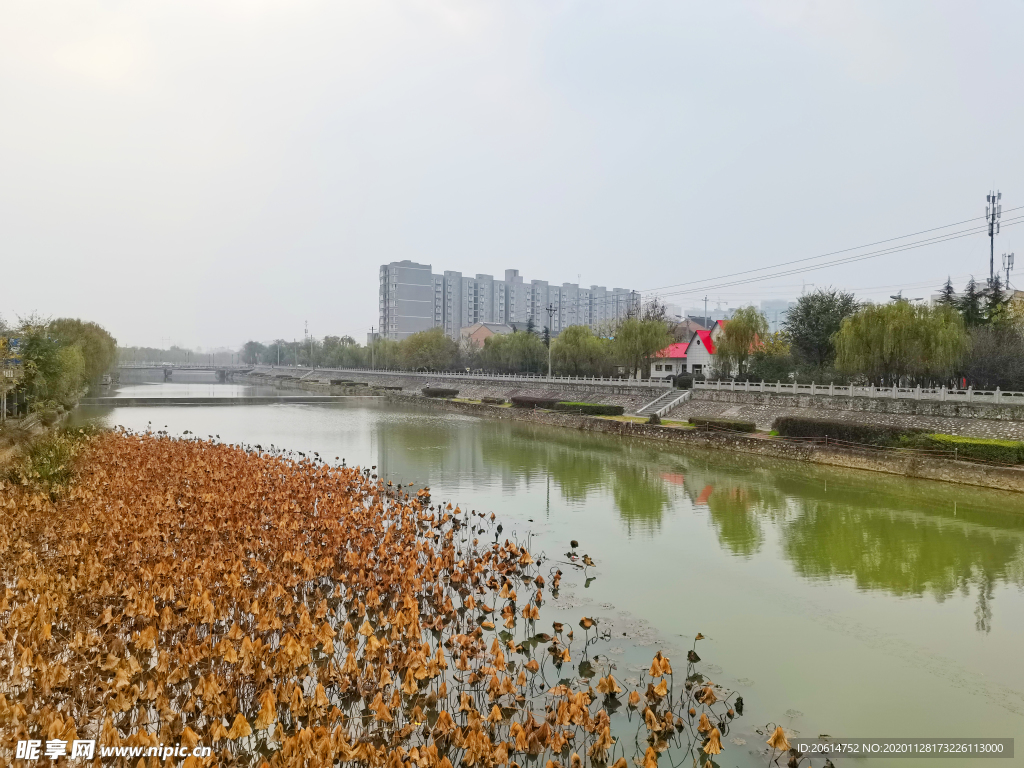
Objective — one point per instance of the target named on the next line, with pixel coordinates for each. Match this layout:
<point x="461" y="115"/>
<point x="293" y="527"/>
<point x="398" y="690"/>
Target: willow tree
<point x="514" y="353"/>
<point x="889" y="342"/>
<point x="430" y="349"/>
<point x="746" y="329"/>
<point x="637" y="341"/>
<point x="578" y="351"/>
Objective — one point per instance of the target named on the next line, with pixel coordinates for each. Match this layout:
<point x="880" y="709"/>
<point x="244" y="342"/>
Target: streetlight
<point x="551" y="311"/>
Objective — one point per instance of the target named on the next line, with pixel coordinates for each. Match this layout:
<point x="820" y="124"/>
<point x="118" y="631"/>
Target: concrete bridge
<point x="168" y="369"/>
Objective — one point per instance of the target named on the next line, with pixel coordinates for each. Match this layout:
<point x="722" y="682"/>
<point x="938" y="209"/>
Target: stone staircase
<point x="665" y="403"/>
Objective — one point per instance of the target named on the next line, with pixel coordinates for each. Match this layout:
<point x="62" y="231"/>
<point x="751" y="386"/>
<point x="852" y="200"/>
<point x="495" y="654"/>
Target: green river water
<point x="839" y="602"/>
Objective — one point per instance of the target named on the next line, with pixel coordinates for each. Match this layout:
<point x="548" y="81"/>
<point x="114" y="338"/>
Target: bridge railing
<point x="532" y="378"/>
<point x="940" y="394"/>
<point x="185" y="366"/>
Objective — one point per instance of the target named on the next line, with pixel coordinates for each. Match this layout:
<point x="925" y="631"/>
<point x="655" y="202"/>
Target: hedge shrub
<point x="439" y="392"/>
<point x="529" y="401"/>
<point x="593" y="409"/>
<point x="735" y="426"/>
<point x="848" y="431"/>
<point x="683" y="381"/>
<point x="1001" y="451"/>
<point x="493" y="400"/>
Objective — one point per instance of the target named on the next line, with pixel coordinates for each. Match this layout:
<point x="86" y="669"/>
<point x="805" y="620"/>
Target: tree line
<point x="625" y="348"/>
<point x="974" y="338"/>
<point x="59" y="359"/>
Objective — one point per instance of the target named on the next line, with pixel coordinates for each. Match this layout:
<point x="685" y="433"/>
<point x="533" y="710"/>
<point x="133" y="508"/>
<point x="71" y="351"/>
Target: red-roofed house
<point x="669" y="362"/>
<point x="700" y="351"/>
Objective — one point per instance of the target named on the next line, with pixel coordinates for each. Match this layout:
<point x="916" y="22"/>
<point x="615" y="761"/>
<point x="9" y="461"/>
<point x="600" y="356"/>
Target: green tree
<point x="970" y="306"/>
<point x="252" y="352"/>
<point x="744" y="332"/>
<point x="637" y="341"/>
<point x="947" y="296"/>
<point x="577" y="351"/>
<point x="99" y="348"/>
<point x="812" y="323"/>
<point x="772" y="359"/>
<point x="887" y="342"/>
<point x="56" y="366"/>
<point x="516" y="352"/>
<point x="384" y="353"/>
<point x="996" y="358"/>
<point x="995" y="302"/>
<point x="430" y="349"/>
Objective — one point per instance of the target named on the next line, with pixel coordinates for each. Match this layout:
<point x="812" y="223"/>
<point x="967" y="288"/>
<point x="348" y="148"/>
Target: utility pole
<point x="295" y="343"/>
<point x="373" y="340"/>
<point x="706" y="322"/>
<point x="1008" y="266"/>
<point x="551" y="312"/>
<point x="993" y="212"/>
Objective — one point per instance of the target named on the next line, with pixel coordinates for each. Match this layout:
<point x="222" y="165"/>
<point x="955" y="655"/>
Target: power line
<point x="698" y="285"/>
<point x="847" y="260"/>
<point x="834" y="253"/>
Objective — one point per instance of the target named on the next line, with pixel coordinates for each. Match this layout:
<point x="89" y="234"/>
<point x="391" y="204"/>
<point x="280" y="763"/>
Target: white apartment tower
<point x="413" y="298"/>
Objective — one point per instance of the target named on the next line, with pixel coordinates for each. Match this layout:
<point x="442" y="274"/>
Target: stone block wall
<point x="969" y="419"/>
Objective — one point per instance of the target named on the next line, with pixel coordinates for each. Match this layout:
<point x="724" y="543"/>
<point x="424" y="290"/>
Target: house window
<point x="698" y="369"/>
<point x="657" y="367"/>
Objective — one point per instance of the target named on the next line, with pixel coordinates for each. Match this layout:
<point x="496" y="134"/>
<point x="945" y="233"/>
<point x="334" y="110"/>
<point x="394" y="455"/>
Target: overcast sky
<point x="203" y="173"/>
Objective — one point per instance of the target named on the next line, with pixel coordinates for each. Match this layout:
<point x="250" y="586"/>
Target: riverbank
<point x="631" y="395"/>
<point x="889" y="462"/>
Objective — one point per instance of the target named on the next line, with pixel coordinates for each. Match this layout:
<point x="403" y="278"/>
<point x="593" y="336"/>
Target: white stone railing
<point x="683" y="397"/>
<point x="606" y="381"/>
<point x="941" y="394"/>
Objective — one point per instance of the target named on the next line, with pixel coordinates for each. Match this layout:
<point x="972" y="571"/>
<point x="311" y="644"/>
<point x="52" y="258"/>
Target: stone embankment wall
<point x="890" y="462"/>
<point x="631" y="397"/>
<point x="970" y="419"/>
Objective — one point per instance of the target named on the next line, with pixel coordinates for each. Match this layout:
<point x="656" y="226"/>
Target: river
<point x="839" y="602"/>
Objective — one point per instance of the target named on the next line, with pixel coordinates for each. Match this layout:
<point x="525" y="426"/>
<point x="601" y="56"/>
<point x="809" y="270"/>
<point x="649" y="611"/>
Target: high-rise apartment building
<point x="413" y="298"/>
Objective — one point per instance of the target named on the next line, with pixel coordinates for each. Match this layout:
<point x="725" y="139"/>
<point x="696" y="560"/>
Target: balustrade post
<point x="942" y="394"/>
<point x="831" y="388"/>
<point x="970" y="394"/>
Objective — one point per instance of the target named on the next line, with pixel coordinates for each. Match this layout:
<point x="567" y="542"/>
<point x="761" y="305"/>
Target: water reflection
<point x="576" y="465"/>
<point x="885" y="534"/>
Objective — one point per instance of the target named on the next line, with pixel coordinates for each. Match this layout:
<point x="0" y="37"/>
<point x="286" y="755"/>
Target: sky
<point x="205" y="173"/>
